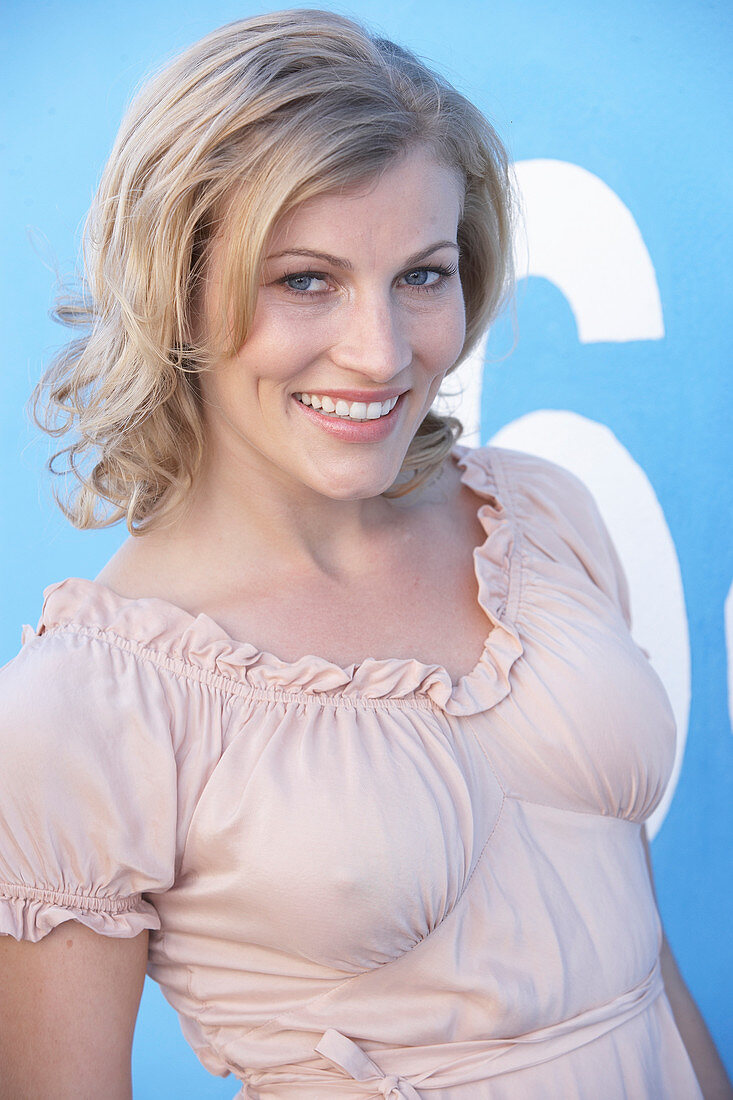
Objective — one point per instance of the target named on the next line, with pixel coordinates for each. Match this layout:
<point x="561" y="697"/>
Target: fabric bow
<point x="349" y="1056"/>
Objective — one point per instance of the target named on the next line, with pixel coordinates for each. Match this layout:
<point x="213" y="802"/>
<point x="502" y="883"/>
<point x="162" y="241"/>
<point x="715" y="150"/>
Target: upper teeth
<point x="357" y="410"/>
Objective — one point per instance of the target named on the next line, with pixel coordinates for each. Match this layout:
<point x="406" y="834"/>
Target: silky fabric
<point x="367" y="881"/>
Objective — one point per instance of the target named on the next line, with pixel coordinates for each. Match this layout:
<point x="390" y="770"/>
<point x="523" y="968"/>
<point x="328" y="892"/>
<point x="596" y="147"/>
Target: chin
<point x="355" y="485"/>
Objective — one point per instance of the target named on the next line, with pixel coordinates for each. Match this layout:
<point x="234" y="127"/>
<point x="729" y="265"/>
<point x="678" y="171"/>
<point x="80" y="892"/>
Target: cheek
<point x="444" y="338"/>
<point x="458" y="333"/>
<point x="282" y="344"/>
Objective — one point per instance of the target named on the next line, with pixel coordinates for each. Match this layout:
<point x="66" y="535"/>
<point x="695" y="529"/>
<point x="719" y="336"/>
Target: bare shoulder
<point x="150" y="565"/>
<point x="130" y="569"/>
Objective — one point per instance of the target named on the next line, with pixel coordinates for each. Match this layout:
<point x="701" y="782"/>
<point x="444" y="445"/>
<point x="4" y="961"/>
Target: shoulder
<point x="119" y="679"/>
<point x="69" y="696"/>
<point x="522" y="475"/>
<point x="555" y="514"/>
<point x="522" y="481"/>
<point x="79" y="682"/>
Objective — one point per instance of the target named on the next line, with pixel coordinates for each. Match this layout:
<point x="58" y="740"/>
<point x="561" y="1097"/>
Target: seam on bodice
<point x="523" y="801"/>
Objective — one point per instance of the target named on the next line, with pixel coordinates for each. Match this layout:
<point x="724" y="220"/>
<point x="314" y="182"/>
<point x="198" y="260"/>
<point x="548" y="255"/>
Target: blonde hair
<point x="249" y="122"/>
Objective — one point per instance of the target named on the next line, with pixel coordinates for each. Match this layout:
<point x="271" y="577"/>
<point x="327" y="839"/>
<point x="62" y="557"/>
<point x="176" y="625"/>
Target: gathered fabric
<point x="367" y="881"/>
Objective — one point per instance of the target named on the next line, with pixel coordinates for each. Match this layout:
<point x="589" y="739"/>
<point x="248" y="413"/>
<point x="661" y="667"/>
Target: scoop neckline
<point x="153" y="623"/>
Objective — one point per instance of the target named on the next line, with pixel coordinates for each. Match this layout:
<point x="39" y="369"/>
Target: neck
<point x="249" y="511"/>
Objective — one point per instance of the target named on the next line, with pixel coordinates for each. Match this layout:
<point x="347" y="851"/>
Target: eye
<point x="301" y="282"/>
<point x="422" y="276"/>
<point x="429" y="278"/>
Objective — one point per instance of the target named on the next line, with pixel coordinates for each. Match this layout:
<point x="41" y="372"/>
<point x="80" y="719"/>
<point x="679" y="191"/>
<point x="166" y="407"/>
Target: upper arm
<point x="68" y="1006"/>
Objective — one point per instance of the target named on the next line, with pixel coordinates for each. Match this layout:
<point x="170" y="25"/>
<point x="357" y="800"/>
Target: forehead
<point x="412" y="202"/>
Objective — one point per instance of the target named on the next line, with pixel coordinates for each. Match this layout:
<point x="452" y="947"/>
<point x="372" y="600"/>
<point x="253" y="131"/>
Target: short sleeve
<point x="87" y="789"/>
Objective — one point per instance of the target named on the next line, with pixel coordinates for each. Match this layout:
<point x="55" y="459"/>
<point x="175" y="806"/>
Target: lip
<point x="352" y="431"/>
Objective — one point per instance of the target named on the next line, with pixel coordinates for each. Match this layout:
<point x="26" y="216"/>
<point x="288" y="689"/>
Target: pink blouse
<point x="367" y="881"/>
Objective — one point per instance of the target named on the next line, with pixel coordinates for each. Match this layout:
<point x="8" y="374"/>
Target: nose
<point x="372" y="337"/>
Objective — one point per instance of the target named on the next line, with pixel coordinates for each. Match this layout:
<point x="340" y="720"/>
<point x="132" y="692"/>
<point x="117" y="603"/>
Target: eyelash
<point x="444" y="272"/>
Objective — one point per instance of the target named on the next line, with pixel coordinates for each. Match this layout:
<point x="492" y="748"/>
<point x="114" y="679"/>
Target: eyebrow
<point x="346" y="265"/>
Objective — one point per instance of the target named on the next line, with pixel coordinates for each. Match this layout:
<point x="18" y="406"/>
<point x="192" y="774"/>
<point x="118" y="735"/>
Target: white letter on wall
<point x="578" y="235"/>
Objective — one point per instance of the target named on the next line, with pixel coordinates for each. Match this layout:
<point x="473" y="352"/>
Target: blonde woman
<point x="349" y="745"/>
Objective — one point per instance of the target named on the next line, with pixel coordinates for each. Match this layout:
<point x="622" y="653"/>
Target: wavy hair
<point x="255" y="118"/>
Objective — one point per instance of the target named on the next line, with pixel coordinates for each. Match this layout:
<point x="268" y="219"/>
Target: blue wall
<point x="639" y="94"/>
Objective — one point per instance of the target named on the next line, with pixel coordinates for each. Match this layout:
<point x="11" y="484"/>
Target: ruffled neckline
<point x="157" y="629"/>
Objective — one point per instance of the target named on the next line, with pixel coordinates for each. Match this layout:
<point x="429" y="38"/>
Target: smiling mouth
<point x="348" y="410"/>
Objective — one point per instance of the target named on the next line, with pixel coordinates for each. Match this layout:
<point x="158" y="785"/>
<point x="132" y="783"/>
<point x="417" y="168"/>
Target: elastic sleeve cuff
<point x="30" y="913"/>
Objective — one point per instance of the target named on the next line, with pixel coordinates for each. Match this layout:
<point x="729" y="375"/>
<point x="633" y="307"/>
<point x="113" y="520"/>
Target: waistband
<point x="406" y="1073"/>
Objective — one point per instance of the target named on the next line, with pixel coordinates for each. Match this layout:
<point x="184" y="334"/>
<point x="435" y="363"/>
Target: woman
<point x="334" y="744"/>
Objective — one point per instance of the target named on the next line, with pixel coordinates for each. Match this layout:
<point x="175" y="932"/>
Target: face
<point x="359" y="315"/>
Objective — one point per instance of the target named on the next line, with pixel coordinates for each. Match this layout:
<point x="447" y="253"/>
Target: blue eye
<point x="429" y="278"/>
<point x="299" y="281"/>
<point x="419" y="277"/>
